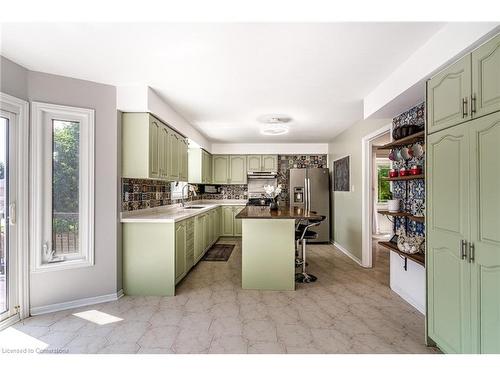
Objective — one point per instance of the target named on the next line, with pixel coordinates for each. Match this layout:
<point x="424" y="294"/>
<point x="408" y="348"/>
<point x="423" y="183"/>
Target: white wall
<point x="145" y="99"/>
<point x="406" y="85"/>
<point x="270" y="148"/>
<point x="409" y="284"/>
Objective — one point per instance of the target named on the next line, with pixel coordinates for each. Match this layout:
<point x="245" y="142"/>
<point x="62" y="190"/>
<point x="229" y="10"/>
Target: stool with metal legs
<point x="307" y="234"/>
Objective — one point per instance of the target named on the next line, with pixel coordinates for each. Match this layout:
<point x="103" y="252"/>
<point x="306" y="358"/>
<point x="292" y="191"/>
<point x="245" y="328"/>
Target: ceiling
<point x="222" y="77"/>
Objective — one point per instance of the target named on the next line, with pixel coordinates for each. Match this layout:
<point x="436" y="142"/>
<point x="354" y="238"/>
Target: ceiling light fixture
<point x="275" y="124"/>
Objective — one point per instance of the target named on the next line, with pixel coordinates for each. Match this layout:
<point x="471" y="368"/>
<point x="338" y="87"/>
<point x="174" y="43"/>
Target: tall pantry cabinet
<point x="463" y="213"/>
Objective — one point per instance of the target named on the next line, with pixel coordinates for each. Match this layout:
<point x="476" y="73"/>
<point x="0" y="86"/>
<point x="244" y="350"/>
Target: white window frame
<point x="42" y="115"/>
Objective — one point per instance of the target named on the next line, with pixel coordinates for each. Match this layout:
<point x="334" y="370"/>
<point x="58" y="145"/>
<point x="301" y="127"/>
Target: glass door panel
<point x="4" y="199"/>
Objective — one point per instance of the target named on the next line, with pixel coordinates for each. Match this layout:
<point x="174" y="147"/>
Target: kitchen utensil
<point x="393" y="205"/>
<point x="404" y="172"/>
<point x="393" y="173"/>
<point x="406" y="153"/>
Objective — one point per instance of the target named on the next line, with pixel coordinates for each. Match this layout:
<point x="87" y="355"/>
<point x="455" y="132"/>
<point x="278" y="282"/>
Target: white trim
<point x="21" y="109"/>
<point x="76" y="303"/>
<point x="9" y="321"/>
<point x="40" y="192"/>
<point x="366" y="201"/>
<point x="347" y="252"/>
<point x="408" y="298"/>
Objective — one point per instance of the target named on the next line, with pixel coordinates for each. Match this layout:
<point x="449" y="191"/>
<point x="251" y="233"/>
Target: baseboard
<point x="408" y="299"/>
<point x="76" y="303"/>
<point x="347" y="252"/>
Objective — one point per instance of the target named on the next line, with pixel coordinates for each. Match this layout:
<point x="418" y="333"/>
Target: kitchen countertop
<point x="175" y="213"/>
<point x="284" y="212"/>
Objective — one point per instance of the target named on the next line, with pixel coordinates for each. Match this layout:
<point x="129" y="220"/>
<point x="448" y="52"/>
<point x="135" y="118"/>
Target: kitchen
<point x="198" y="198"/>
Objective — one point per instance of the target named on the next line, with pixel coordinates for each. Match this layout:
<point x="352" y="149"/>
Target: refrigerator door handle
<point x="308" y="194"/>
<point x="305" y="193"/>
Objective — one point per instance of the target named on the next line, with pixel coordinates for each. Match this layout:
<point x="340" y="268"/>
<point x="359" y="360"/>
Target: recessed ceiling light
<point x="277" y="129"/>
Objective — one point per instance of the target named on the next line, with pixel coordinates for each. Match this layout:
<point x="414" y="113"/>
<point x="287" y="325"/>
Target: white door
<point x="8" y="247"/>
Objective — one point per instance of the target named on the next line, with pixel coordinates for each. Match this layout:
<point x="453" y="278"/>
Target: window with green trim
<point x="384" y="186"/>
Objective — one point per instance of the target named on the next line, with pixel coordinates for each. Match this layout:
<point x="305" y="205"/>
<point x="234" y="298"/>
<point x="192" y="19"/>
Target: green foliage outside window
<point x="384" y="187"/>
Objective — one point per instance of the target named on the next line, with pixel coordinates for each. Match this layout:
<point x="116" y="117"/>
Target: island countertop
<point x="283" y="212"/>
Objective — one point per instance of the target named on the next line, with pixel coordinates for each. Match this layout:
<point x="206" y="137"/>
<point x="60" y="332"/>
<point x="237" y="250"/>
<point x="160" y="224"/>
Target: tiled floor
<point x="348" y="310"/>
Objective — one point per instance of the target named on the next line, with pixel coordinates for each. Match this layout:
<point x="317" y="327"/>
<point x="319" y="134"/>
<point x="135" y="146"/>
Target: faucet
<point x="183" y="203"/>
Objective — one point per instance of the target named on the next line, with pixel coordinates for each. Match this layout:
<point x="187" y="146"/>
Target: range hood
<point x="261" y="175"/>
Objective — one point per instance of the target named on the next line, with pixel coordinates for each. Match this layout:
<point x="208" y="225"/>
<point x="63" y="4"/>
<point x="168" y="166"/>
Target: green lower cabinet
<point x="180" y="251"/>
<point x="463" y="204"/>
<point x="189" y="244"/>
<point x="198" y="238"/>
<point x="237" y="222"/>
<point x="227" y="221"/>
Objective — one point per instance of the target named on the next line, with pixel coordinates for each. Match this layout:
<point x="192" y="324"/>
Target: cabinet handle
<point x="472" y="253"/>
<point x="464" y="108"/>
<point x="463" y="249"/>
<point x="473" y="104"/>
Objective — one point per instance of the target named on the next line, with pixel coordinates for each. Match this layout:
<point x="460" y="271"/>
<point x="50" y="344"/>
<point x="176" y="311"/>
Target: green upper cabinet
<point x="180" y="250"/>
<point x="174" y="156"/>
<point x="220" y="169"/>
<point x="269" y="163"/>
<point x="254" y="163"/>
<point x="164" y="143"/>
<point x="262" y="163"/>
<point x="448" y="226"/>
<point x="150" y="149"/>
<point x="237" y="169"/>
<point x="485" y="233"/>
<point x="448" y="96"/>
<point x="486" y="78"/>
<point x="199" y="166"/>
<point x="183" y="159"/>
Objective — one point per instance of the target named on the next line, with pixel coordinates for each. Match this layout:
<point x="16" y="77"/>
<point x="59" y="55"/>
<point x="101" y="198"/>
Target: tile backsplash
<point x="143" y="193"/>
<point x="287" y="162"/>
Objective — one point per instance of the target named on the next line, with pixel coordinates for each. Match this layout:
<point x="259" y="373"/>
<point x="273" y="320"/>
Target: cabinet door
<point x="211" y="227"/>
<point x="210" y="170"/>
<point x="198" y="237"/>
<point x="237" y="169"/>
<point x="237" y="222"/>
<point x="154" y="148"/>
<point x="164" y="152"/>
<point x="227" y="221"/>
<point x="190" y="243"/>
<point x="270" y="163"/>
<point x="206" y="232"/>
<point x="448" y="96"/>
<point x="486" y="78"/>
<point x="448" y="273"/>
<point x="254" y="163"/>
<point x="180" y="250"/>
<point x="204" y="166"/>
<point x="183" y="159"/>
<point x="217" y="222"/>
<point x="220" y="169"/>
<point x="485" y="233"/>
<point x="174" y="156"/>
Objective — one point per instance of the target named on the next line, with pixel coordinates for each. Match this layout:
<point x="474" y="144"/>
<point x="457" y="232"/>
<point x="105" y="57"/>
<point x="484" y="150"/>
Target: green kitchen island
<point x="268" y="246"/>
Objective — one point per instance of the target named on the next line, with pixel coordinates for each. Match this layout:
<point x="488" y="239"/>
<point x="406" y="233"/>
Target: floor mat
<point x="219" y="252"/>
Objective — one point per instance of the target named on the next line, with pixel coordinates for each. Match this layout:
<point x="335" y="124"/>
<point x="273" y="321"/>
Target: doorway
<point x="13" y="209"/>
<point x="374" y="194"/>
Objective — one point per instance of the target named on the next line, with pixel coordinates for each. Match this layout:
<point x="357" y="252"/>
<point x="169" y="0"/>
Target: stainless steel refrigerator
<point x="309" y="188"/>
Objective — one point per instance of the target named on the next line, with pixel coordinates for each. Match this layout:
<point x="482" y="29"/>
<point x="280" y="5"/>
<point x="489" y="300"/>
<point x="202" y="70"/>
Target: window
<point x="383" y="186"/>
<point x="63" y="191"/>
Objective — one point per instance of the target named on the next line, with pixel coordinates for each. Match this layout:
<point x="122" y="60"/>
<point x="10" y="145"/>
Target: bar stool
<point x="307" y="234"/>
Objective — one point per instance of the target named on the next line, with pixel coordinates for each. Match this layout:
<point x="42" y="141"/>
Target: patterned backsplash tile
<point x="143" y="193"/>
<point x="287" y="162"/>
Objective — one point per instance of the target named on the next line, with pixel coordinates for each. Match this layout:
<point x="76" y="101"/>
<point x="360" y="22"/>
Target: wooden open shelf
<point x="419" y="219"/>
<point x="417" y="258"/>
<point x="404" y="178"/>
<point x="404" y="141"/>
